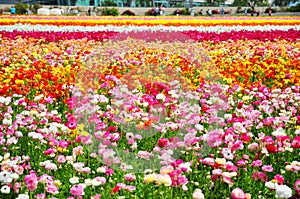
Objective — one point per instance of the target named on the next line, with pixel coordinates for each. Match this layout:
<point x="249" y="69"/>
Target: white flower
<point x="14" y="176"/>
<point x="5" y="177"/>
<point x="283" y="191"/>
<point x="5" y="189"/>
<point x="199" y="127"/>
<point x="271" y="185"/>
<point x="23" y="196"/>
<point x="279" y="132"/>
<point x="101" y="169"/>
<point x="88" y="182"/>
<point x="74" y="180"/>
<point x="198" y="194"/>
<point x="161" y="96"/>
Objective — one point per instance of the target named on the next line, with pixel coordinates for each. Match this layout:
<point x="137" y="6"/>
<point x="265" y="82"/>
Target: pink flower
<point x="297" y="186"/>
<point x="177" y="178"/>
<point x="237" y="193"/>
<point x="17" y="186"/>
<point x="31" y="181"/>
<point x="260" y="176"/>
<point x="77" y="190"/>
<point x="214" y="139"/>
<point x="61" y="159"/>
<point x="52" y="189"/>
<point x="257" y="163"/>
<point x="217" y="172"/>
<point x="279" y="179"/>
<point x="40" y="196"/>
<point x="267" y="168"/>
<point x="241" y="163"/>
<point x="109" y="172"/>
<point x="227" y="180"/>
<point x="129" y="177"/>
<point x="296" y="142"/>
<point x="71" y="124"/>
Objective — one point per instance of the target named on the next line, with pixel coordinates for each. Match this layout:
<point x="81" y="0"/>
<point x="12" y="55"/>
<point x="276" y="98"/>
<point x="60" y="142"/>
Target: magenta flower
<point x="297" y="186"/>
<point x="296" y="142"/>
<point x="279" y="179"/>
<point x="163" y="142"/>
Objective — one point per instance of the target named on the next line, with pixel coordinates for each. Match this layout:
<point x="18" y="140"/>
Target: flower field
<point x="143" y="107"/>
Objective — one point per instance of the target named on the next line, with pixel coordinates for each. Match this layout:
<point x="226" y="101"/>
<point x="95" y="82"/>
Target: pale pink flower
<point x="61" y="159"/>
<point x="52" y="189"/>
<point x="237" y="193"/>
<point x="129" y="177"/>
<point x="198" y="194"/>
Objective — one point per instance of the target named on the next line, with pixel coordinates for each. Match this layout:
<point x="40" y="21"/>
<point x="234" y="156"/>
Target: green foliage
<point x="178" y="5"/>
<point x="109" y="3"/>
<point x="294" y="8"/>
<point x="110" y="12"/>
<point x="263" y="3"/>
<point x="21" y="8"/>
<point x="35" y="7"/>
<point x="240" y="3"/>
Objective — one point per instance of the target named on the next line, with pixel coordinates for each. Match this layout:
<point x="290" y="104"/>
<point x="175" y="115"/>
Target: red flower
<point x="272" y="149"/>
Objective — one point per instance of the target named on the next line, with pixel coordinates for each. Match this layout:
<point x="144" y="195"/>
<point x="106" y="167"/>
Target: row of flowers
<point x="147" y="21"/>
<point x="48" y="67"/>
<point x="200" y="28"/>
<point x="51" y="36"/>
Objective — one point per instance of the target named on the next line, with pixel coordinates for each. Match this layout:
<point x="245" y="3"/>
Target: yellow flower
<point x="164" y="179"/>
<point x="19" y="82"/>
<point x="84" y="133"/>
<point x="57" y="183"/>
<point x="61" y="150"/>
<point x="220" y="161"/>
<point x="149" y="178"/>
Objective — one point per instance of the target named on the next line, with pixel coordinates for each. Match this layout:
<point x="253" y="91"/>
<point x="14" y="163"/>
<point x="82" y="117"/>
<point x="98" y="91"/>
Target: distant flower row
<point x="148" y="21"/>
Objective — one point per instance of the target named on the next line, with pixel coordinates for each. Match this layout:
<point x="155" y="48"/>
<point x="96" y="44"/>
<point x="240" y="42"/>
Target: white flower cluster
<point x="217" y="29"/>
